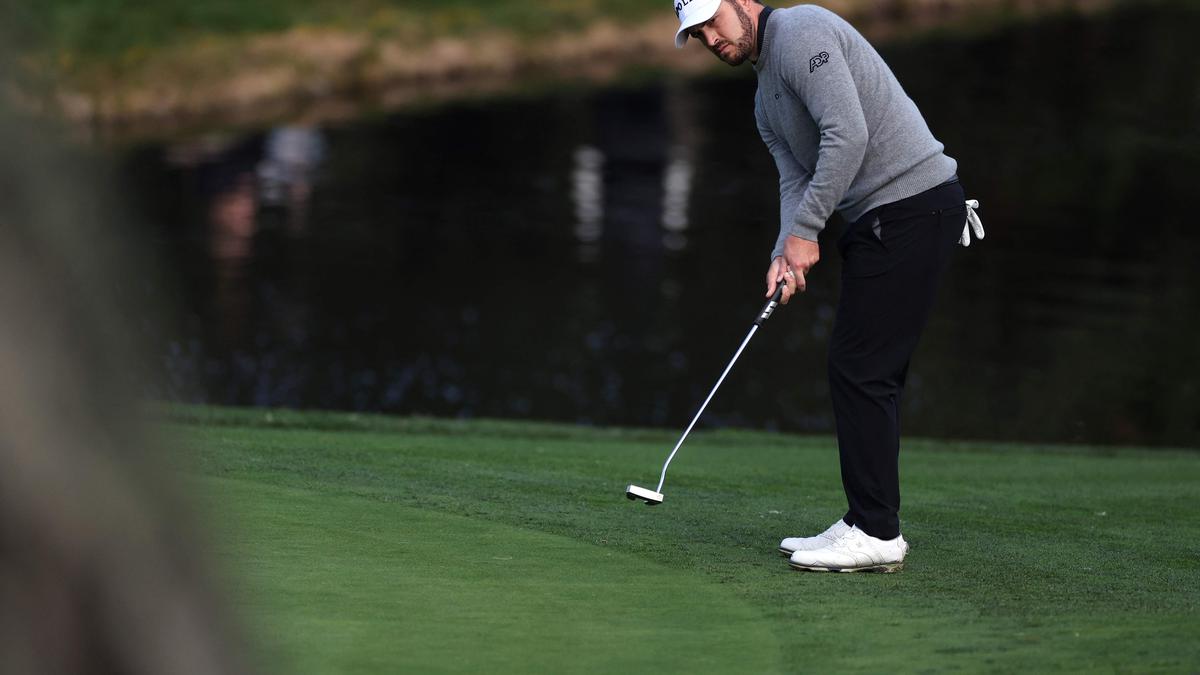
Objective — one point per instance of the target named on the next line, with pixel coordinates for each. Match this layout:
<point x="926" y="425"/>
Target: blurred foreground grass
<point x="379" y="544"/>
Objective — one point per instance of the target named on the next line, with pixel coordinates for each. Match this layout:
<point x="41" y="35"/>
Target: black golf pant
<point x="892" y="260"/>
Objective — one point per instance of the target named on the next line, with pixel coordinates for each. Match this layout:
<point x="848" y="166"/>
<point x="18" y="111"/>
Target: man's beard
<point x="742" y="47"/>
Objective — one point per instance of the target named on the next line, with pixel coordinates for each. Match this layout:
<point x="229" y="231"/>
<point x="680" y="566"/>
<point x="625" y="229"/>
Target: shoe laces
<point x="852" y="539"/>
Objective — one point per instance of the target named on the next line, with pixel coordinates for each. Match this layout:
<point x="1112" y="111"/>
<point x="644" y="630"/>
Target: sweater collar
<point x="762" y="34"/>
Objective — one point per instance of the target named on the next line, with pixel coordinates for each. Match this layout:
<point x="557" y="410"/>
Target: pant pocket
<point x="863" y="253"/>
<point x="953" y="220"/>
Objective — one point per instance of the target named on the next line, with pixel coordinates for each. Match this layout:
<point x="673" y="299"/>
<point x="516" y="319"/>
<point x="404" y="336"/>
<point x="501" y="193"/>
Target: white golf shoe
<point x="854" y="551"/>
<point x="792" y="544"/>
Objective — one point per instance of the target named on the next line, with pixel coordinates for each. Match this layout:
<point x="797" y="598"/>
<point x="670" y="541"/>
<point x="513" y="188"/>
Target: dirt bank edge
<point x="314" y="74"/>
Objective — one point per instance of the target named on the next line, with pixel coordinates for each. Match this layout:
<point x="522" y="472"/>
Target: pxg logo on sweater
<point x="818" y="61"/>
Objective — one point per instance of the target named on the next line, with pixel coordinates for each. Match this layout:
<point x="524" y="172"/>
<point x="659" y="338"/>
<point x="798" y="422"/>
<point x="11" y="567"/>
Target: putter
<point x="655" y="496"/>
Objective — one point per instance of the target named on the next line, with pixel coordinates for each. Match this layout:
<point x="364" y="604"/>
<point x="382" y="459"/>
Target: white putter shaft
<point x="655" y="496"/>
<point x="663" y="477"/>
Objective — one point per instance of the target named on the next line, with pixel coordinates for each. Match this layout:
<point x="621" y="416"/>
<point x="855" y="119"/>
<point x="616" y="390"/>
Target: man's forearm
<point x="839" y="160"/>
<point x="790" y="194"/>
<point x="793" y="182"/>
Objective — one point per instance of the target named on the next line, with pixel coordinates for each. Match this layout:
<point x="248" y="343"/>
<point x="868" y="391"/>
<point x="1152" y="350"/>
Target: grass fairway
<point x="372" y="544"/>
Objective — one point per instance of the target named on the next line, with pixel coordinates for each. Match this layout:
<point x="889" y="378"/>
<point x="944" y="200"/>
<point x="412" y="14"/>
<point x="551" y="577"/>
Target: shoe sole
<point x="787" y="554"/>
<point x="878" y="569"/>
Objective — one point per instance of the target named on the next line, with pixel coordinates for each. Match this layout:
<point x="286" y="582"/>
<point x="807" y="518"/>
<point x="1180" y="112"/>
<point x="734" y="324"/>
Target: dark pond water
<point x="596" y="255"/>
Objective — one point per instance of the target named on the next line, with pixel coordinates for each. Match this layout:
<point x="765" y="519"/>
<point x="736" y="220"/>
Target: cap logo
<point x="680" y="5"/>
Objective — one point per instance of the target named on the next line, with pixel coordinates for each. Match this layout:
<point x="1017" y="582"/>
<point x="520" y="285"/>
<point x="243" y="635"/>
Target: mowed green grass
<point x="375" y="544"/>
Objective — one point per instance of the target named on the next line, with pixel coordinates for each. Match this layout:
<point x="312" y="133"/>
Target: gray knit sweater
<point x="842" y="131"/>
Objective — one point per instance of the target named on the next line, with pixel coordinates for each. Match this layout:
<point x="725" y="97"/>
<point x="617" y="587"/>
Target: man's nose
<point x="709" y="36"/>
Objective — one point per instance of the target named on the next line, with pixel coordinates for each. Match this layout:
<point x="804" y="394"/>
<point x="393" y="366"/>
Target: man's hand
<point x="799" y="256"/>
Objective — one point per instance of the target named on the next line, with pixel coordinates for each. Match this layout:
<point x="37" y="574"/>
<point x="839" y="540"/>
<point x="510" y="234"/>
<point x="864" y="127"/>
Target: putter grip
<point x="769" y="308"/>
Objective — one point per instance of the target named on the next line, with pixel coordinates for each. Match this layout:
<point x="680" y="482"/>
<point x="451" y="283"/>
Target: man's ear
<point x="747" y="5"/>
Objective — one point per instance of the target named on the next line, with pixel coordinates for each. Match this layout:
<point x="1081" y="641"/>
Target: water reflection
<point x="596" y="257"/>
<point x="233" y="215"/>
<point x="679" y="109"/>
<point x="677" y="187"/>
<point x="587" y="191"/>
<point x="285" y="174"/>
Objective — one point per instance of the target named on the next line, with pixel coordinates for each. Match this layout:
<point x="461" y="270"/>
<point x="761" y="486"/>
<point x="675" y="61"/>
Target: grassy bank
<point x="375" y="544"/>
<point x="175" y="64"/>
<point x="115" y="29"/>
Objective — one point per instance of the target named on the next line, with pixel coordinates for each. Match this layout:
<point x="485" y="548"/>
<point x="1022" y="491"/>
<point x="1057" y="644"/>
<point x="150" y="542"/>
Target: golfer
<point x="845" y="137"/>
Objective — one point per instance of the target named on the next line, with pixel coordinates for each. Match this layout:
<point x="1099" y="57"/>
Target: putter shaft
<point x="663" y="477"/>
<point x="635" y="492"/>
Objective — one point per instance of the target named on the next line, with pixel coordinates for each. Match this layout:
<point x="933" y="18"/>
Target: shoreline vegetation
<point x="307" y="62"/>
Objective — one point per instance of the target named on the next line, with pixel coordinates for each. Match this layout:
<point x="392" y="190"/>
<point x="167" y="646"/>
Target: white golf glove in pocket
<point x="973" y="224"/>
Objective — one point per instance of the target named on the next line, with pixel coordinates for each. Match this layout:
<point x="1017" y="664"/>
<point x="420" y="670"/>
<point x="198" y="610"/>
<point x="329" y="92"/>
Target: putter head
<point x="649" y="496"/>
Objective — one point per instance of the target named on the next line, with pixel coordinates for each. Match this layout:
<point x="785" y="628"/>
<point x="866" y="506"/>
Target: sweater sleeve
<point x="815" y="68"/>
<point x="793" y="179"/>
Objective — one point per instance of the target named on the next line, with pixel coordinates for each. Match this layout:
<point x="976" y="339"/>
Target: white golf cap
<point x="691" y="13"/>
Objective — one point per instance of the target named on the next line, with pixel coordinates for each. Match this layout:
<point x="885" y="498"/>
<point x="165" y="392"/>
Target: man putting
<point x="846" y="137"/>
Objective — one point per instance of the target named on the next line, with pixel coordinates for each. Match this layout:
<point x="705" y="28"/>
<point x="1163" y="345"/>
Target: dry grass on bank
<point x="390" y="59"/>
